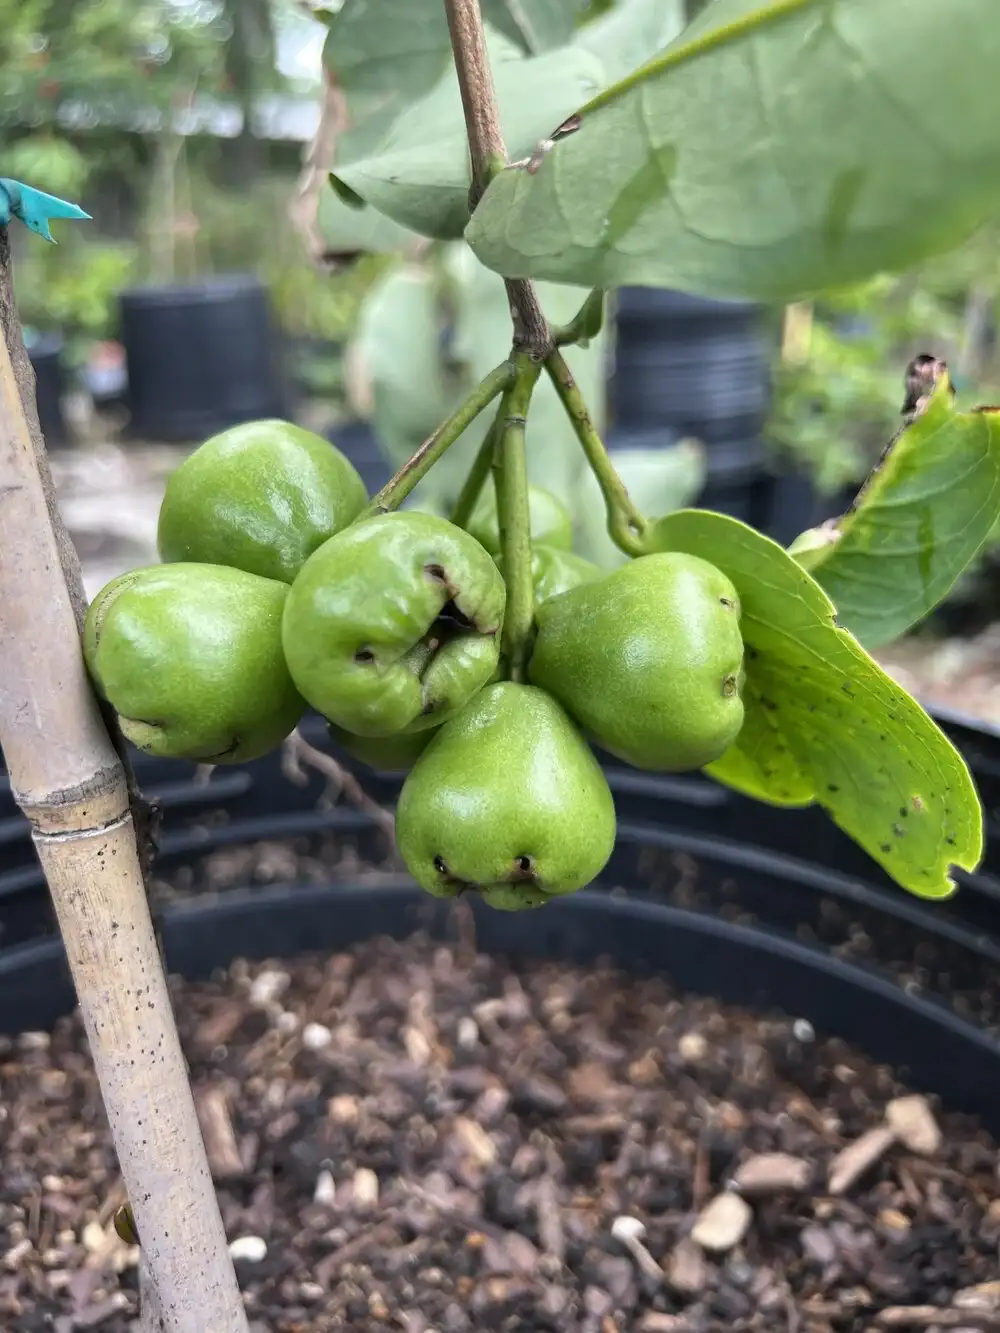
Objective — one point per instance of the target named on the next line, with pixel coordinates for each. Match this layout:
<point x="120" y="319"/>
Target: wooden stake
<point x="69" y="781"/>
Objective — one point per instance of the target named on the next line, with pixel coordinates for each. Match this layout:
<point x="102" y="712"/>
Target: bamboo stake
<point x="70" y="783"/>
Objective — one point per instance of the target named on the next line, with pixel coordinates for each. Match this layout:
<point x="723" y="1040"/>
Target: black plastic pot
<point x="796" y="505"/>
<point x="759" y="906"/>
<point x="696" y="366"/>
<point x="200" y="357"/>
<point x="45" y="354"/>
<point x="357" y="440"/>
<point x="737" y="480"/>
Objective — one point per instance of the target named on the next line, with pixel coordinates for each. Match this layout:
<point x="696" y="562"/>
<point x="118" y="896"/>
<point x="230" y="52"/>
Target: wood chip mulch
<point x="417" y="1138"/>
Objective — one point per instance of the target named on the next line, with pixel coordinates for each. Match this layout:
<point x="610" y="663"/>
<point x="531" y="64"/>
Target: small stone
<point x="377" y="1307"/>
<point x="818" y="1245"/>
<point x="365" y="1188"/>
<point x="34" y="1041"/>
<point x="803" y="1031"/>
<point x="467" y="1036"/>
<point x="722" y="1223"/>
<point x="983" y="1298"/>
<point x="655" y="1322"/>
<point x="475" y="1141"/>
<point x="286" y="1022"/>
<point x="315" y="1036"/>
<point x="93" y="1238"/>
<point x="914" y="1124"/>
<point x="325" y="1192"/>
<point x="692" y="1048"/>
<point x="418" y="1048"/>
<point x="858" y="1157"/>
<point x="893" y="1223"/>
<point x="772" y="1173"/>
<point x="311" y="1292"/>
<point x="248" y="1249"/>
<point x="268" y="986"/>
<point x="686" y="1269"/>
<point x="343" y="1110"/>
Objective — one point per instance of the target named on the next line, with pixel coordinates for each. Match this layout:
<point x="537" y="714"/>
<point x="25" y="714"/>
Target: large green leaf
<point x="397" y="351"/>
<point x="348" y="231"/>
<point x="773" y="149"/>
<point x="926" y="513"/>
<point x="534" y="25"/>
<point x="625" y="37"/>
<point x="420" y="174"/>
<point x="886" y="774"/>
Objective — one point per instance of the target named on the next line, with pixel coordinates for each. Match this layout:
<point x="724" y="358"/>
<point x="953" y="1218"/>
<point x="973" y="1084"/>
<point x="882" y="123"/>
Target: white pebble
<point x="803" y="1030"/>
<point x="268" y="986"/>
<point x="326" y="1190"/>
<point x="692" y="1048"/>
<point x="286" y="1022"/>
<point x="249" y="1249"/>
<point x="315" y="1036"/>
<point x="468" y="1032"/>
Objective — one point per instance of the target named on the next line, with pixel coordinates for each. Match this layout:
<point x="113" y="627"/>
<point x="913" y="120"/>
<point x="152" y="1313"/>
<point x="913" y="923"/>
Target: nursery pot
<point x="696" y="366"/>
<point x="357" y="440"/>
<point x="45" y="353"/>
<point x="757" y="906"/>
<point x="200" y="357"/>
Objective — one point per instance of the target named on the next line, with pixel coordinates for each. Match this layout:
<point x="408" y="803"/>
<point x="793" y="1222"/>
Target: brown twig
<point x="297" y="753"/>
<point x="488" y="154"/>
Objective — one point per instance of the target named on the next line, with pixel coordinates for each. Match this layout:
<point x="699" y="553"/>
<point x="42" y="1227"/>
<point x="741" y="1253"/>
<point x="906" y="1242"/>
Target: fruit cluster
<point x="279" y="590"/>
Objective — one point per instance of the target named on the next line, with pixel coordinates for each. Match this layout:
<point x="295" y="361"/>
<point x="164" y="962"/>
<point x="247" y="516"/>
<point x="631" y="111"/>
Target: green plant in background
<point x="836" y="400"/>
<point x="712" y="646"/>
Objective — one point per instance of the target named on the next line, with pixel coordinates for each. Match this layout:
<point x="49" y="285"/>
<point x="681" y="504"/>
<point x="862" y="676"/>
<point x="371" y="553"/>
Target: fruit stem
<point x="585" y="324"/>
<point x="488" y="153"/>
<point x="473" y="485"/>
<point x="395" y="491"/>
<point x="625" y="524"/>
<point x="510" y="471"/>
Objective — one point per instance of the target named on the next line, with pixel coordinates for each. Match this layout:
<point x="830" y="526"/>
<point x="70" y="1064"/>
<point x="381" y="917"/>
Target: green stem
<point x="625" y="524"/>
<point x="585" y="324"/>
<point x="473" y="485"/>
<point x="511" y="478"/>
<point x="395" y="491"/>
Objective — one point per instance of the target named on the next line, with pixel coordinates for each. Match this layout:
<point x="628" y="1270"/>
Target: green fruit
<point x="551" y="522"/>
<point x="385" y="754"/>
<point x="190" y="658"/>
<point x="508" y="800"/>
<point x="554" y="571"/>
<point x="648" y="660"/>
<point x="394" y="624"/>
<point x="260" y="497"/>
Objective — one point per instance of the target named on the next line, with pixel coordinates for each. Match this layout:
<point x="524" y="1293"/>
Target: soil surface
<point x="415" y="1137"/>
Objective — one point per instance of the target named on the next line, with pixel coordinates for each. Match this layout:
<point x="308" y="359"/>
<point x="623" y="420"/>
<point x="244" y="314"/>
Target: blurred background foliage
<point x="181" y="126"/>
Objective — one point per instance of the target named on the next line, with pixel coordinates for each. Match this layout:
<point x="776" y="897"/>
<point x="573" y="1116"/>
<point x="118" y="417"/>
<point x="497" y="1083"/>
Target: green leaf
<point x="928" y="511"/>
<point x="347" y="231"/>
<point x="626" y="36"/>
<point x="533" y="25"/>
<point x="397" y="353"/>
<point x="659" y="480"/>
<point x="885" y="773"/>
<point x="771" y="150"/>
<point x="420" y="174"/>
<point x="761" y="764"/>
